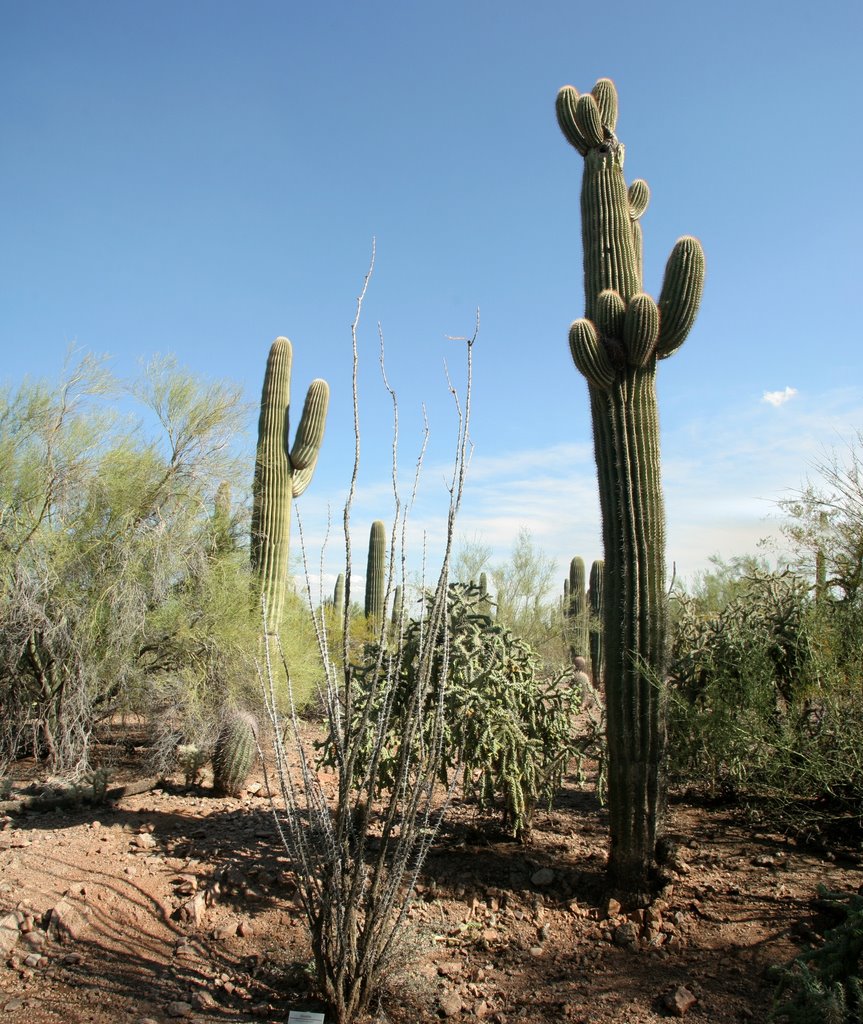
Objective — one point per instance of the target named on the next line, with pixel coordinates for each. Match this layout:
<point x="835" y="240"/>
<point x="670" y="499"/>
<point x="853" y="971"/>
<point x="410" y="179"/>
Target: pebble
<point x="680" y="1001"/>
<point x="451" y="1004"/>
<point x="545" y="876"/>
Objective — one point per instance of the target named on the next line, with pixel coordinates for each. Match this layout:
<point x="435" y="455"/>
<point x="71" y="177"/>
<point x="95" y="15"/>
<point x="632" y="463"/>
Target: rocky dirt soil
<point x="175" y="904"/>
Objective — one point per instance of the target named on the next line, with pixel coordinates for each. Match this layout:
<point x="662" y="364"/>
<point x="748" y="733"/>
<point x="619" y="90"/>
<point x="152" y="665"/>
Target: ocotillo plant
<point x="376" y="574"/>
<point x="282" y="473"/>
<point x="575" y="610"/>
<point x="616" y="347"/>
<point x="595" y="604"/>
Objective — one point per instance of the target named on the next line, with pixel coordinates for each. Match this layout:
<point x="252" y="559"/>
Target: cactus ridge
<point x="282" y="473"/>
<point x="234" y="754"/>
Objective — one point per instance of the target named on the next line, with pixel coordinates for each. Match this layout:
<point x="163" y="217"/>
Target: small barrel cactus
<point x="234" y="753"/>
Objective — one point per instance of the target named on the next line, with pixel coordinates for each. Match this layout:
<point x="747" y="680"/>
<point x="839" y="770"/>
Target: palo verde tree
<point x="119" y="587"/>
<point x="616" y="347"/>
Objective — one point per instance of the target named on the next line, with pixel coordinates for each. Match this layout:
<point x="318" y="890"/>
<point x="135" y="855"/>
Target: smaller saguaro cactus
<point x="595" y="604"/>
<point x="575" y="610"/>
<point x="234" y="753"/>
<point x="376" y="573"/>
<point x="485" y="605"/>
<point x="397" y="606"/>
<point x="339" y="597"/>
<point x="282" y="472"/>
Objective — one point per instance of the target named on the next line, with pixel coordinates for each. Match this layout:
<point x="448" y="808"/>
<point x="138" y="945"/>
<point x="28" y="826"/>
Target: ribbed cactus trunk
<point x="282" y="473"/>
<point x="376" y="574"/>
<point x="616" y="347"/>
<point x="595" y="602"/>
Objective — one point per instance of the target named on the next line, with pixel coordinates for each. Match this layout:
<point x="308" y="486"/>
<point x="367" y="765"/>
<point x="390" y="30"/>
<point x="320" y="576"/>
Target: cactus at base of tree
<point x="282" y="473"/>
<point x="616" y="347"/>
<point x="234" y="753"/>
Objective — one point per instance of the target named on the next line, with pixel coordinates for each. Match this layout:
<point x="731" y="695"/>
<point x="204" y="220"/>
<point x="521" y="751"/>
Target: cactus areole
<point x="616" y="347"/>
<point x="282" y="473"/>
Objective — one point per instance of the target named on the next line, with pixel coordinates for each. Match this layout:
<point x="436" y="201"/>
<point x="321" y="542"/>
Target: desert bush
<point x="761" y="706"/>
<point x="117" y="576"/>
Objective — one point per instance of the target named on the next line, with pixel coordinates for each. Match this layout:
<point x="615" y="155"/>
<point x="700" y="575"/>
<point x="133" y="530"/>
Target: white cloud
<point x="777" y="398"/>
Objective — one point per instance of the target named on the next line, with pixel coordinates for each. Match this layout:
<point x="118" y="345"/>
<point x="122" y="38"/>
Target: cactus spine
<point x="594" y="600"/>
<point x="616" y="348"/>
<point x="234" y="754"/>
<point x="282" y="473"/>
<point x="376" y="574"/>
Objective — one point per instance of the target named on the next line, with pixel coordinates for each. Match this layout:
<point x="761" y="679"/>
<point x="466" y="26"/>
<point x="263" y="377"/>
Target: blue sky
<point x="198" y="178"/>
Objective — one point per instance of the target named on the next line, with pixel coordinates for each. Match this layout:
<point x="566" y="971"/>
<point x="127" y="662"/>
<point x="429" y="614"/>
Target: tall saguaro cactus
<point x="616" y="347"/>
<point x="282" y="472"/>
<point x="376" y="573"/>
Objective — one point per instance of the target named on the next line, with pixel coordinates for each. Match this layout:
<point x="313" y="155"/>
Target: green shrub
<point x="761" y="705"/>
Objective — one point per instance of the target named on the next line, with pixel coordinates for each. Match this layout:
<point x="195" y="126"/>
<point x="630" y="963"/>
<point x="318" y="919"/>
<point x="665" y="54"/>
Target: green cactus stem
<point x="576" y="610"/>
<point x="396" y="616"/>
<point x="595" y="604"/>
<point x="339" y="597"/>
<point x="616" y="348"/>
<point x="282" y="473"/>
<point x="376" y="574"/>
<point x="234" y="754"/>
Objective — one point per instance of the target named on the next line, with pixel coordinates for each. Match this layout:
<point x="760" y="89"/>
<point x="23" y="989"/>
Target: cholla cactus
<point x="616" y="348"/>
<point x="191" y="759"/>
<point x="234" y="754"/>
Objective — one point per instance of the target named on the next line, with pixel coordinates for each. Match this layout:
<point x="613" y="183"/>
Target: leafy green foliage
<point x="122" y="584"/>
<point x="761" y="703"/>
<point x="508" y="730"/>
<point x="825" y="984"/>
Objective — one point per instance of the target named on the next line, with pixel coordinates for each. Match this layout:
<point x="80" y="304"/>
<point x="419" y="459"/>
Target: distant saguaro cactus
<point x="376" y="573"/>
<point x="282" y="473"/>
<point x="616" y="348"/>
<point x="595" y="604"/>
<point x="575" y="610"/>
<point x="339" y="597"/>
